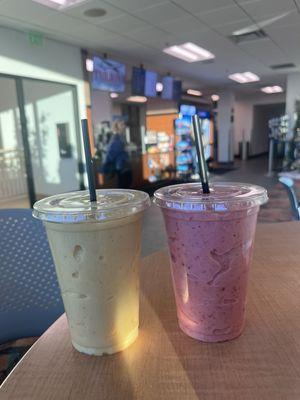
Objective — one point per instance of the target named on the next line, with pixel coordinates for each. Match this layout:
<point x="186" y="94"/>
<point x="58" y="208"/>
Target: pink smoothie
<point x="210" y="248"/>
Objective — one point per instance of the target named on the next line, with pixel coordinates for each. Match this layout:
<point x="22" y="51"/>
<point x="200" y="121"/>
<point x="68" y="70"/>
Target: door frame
<point x="24" y="130"/>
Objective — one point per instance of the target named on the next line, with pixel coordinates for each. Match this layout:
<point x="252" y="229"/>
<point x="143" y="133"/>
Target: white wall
<point x="243" y="114"/>
<point x="55" y="62"/>
<point x="225" y="128"/>
<point x="45" y="108"/>
<point x="243" y="122"/>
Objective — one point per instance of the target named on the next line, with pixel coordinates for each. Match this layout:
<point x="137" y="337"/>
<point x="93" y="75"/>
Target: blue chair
<point x="30" y="299"/>
<point x="288" y="184"/>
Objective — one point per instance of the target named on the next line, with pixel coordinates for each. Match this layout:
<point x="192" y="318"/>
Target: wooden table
<point x="264" y="363"/>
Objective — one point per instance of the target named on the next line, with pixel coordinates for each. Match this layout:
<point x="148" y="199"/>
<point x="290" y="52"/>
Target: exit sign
<point x="36" y="38"/>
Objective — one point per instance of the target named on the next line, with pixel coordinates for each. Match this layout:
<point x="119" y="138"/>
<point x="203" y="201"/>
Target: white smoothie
<point x="97" y="264"/>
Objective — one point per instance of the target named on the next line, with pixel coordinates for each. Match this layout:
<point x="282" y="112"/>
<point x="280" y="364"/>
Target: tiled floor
<point x="251" y="171"/>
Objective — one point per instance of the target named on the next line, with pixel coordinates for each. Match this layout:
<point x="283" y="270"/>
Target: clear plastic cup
<point x="96" y="251"/>
<point x="210" y="239"/>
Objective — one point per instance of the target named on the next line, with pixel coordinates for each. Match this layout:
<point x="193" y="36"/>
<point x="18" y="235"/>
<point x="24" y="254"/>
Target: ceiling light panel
<point x="137" y="99"/>
<point x="59" y="4"/>
<point x="272" y="89"/>
<point x="193" y="92"/>
<point x="244" y="77"/>
<point x="189" y="52"/>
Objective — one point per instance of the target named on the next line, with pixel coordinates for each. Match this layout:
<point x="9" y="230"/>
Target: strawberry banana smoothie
<point x="210" y="240"/>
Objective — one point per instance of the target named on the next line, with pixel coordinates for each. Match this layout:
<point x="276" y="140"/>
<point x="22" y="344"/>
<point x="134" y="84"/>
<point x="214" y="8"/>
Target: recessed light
<point x="94" y="12"/>
<point x="159" y="87"/>
<point x="244" y="77"/>
<point x="89" y="65"/>
<point x="193" y="92"/>
<point x="113" y="95"/>
<point x="189" y="52"/>
<point x="59" y="4"/>
<point x="272" y="89"/>
<point x="215" y="97"/>
<point x="137" y="99"/>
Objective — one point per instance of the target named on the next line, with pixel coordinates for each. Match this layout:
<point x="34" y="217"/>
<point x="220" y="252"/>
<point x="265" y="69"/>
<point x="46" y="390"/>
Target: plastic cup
<point x="96" y="251"/>
<point x="210" y="239"/>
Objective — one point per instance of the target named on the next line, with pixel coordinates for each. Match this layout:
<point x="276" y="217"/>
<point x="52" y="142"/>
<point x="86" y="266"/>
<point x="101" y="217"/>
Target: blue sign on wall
<point x="108" y="75"/>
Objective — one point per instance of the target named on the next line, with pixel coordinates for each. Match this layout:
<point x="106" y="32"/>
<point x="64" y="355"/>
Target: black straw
<point x="200" y="154"/>
<point x="88" y="160"/>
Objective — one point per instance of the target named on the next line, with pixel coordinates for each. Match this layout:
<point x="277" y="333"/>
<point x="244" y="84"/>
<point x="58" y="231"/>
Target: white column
<point x="225" y="127"/>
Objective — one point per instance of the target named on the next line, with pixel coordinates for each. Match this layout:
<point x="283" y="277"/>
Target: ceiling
<point x="138" y="30"/>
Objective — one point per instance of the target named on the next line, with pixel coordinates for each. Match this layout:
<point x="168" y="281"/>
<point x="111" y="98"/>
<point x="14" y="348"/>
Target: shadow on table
<point x="202" y="365"/>
<point x="107" y="379"/>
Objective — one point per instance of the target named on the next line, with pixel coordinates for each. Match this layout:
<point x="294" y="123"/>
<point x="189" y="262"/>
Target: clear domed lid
<point x="75" y="207"/>
<point x="223" y="196"/>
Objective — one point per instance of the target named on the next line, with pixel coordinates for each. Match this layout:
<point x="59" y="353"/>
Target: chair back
<point x="288" y="183"/>
<point x="30" y="299"/>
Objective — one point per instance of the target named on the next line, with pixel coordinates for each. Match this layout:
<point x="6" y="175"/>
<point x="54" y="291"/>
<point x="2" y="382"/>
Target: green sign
<point x="36" y="38"/>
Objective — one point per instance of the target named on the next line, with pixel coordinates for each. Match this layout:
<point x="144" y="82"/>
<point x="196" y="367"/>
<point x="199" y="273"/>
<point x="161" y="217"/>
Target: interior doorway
<point x="40" y="150"/>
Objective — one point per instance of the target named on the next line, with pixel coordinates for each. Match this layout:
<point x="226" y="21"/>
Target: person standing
<point x="116" y="160"/>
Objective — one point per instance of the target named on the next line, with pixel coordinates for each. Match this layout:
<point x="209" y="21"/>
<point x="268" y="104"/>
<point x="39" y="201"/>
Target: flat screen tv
<point x="138" y="81"/>
<point x="108" y="75"/>
<point x="177" y="87"/>
<point x="167" y="92"/>
<point x="150" y="83"/>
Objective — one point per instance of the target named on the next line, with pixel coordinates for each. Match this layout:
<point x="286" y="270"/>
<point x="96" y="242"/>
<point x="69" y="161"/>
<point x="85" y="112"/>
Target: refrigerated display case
<point x="184" y="146"/>
<point x="186" y="161"/>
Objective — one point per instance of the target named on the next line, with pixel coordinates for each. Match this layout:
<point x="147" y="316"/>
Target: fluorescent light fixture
<point x="113" y="95"/>
<point x="272" y="89"/>
<point x="137" y="99"/>
<point x="215" y="97"/>
<point x="59" y="4"/>
<point x="193" y="92"/>
<point x="244" y="77"/>
<point x="159" y="87"/>
<point x="89" y="65"/>
<point x="189" y="52"/>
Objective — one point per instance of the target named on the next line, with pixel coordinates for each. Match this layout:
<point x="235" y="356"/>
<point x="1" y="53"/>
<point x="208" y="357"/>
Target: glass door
<point x="53" y="136"/>
<point x="13" y="184"/>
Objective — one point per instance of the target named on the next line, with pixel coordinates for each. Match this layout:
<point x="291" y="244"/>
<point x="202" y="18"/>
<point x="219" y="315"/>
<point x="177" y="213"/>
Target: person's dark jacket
<point x="116" y="158"/>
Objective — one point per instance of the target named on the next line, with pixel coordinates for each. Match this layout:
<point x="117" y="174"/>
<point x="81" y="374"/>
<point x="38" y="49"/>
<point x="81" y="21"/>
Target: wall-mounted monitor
<point x="177" y="88"/>
<point x="138" y="81"/>
<point x="108" y="75"/>
<point x="143" y="82"/>
<point x="150" y="83"/>
<point x="167" y="92"/>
